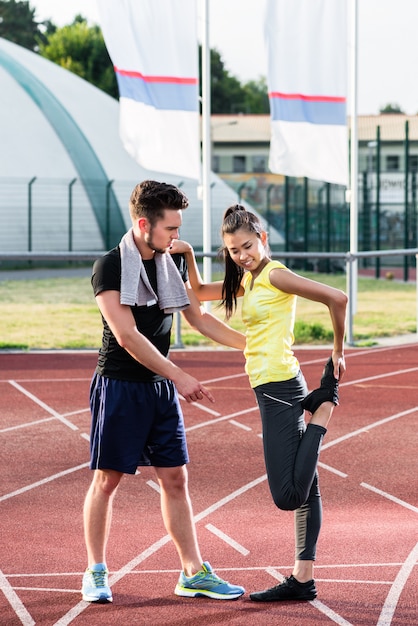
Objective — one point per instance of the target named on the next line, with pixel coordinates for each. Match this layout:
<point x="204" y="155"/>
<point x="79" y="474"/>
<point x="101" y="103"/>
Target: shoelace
<point x="99" y="578"/>
<point x="213" y="578"/>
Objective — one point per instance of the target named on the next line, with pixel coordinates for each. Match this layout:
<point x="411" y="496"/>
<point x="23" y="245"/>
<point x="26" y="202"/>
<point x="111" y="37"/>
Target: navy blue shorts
<point x="135" y="424"/>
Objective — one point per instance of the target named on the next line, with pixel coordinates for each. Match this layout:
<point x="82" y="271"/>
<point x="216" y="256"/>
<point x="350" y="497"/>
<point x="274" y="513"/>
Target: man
<point x="136" y="414"/>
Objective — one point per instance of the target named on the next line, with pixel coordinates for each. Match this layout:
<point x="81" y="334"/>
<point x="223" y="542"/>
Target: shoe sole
<point x="101" y="600"/>
<point x="205" y="593"/>
<point x="295" y="599"/>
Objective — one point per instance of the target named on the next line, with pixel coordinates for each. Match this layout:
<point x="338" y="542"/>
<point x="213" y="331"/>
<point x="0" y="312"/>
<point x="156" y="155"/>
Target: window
<point x="238" y="164"/>
<point x="258" y="163"/>
<point x="371" y="163"/>
<point x="392" y="163"/>
<point x="413" y="162"/>
<point x="215" y="163"/>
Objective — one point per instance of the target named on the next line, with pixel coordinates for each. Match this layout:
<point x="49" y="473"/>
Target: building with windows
<point x="240" y="143"/>
<point x="313" y="215"/>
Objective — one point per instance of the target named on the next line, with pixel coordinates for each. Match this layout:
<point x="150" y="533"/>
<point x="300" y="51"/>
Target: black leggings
<point x="291" y="451"/>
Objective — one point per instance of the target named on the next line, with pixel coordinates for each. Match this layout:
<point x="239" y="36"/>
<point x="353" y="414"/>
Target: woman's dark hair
<point x="235" y="217"/>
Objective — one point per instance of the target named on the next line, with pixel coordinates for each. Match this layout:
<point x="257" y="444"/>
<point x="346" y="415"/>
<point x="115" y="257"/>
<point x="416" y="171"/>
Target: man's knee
<point x="172" y="479"/>
<point x="106" y="481"/>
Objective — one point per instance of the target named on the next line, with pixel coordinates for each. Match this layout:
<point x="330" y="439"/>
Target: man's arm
<point x="122" y="324"/>
<point x="209" y="325"/>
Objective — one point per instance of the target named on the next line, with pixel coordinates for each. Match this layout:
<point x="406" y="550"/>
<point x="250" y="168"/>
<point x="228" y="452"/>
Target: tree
<point x="18" y="24"/>
<point x="80" y="48"/>
<point x="228" y="95"/>
<point x="392" y="107"/>
<point x="256" y="96"/>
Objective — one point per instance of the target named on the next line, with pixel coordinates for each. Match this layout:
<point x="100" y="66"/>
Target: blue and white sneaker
<point x="207" y="583"/>
<point x="95" y="584"/>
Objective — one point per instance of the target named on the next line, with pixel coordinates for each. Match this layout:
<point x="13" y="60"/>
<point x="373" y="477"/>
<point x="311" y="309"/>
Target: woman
<point x="291" y="447"/>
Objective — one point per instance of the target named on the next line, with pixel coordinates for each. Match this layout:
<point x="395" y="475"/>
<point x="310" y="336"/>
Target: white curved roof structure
<point x="65" y="178"/>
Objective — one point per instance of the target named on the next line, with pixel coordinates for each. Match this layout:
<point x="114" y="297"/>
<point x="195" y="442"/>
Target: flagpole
<point x="206" y="148"/>
<point x="352" y="274"/>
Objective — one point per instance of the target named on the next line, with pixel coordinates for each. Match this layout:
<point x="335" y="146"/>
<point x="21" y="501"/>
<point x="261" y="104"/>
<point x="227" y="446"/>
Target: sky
<point x="387" y="44"/>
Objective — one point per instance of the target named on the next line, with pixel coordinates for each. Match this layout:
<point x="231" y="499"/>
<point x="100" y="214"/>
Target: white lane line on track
<point x="353" y="581"/>
<point x="320" y="606"/>
<point x="146" y="572"/>
<point x="350" y="565"/>
<point x="27" y="424"/>
<point x="406" y="505"/>
<point x="202" y="407"/>
<point x="55" y="589"/>
<point x="221" y="419"/>
<point x="41" y="421"/>
<point x="48" y="380"/>
<point x="77" y="412"/>
<point x="388" y="610"/>
<point x="379" y="376"/>
<point x="43" y="405"/>
<point x="332" y="615"/>
<point x="231" y="542"/>
<point x="332" y="469"/>
<point x="39" y="483"/>
<point x="232" y="496"/>
<point x="361" y="352"/>
<point x="354" y="433"/>
<point x="15" y="602"/>
<point x="154" y="485"/>
<point x="376" y="350"/>
<point x="216" y="380"/>
<point x="342" y="384"/>
<point x="319" y="360"/>
<point x="239" y="425"/>
<point x="348" y="354"/>
<point x="250" y="568"/>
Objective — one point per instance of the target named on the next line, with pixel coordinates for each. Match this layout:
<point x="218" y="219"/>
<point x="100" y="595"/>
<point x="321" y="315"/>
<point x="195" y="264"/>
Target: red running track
<point x="366" y="572"/>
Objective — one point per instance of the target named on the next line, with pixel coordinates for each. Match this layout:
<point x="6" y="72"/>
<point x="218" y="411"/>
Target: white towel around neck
<point x="135" y="287"/>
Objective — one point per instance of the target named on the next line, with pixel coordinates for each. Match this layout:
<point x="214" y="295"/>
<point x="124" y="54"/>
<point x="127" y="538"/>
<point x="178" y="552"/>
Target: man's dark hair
<point x="150" y="198"/>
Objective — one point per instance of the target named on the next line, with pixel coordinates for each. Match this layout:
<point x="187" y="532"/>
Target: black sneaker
<point x="289" y="589"/>
<point x="327" y="392"/>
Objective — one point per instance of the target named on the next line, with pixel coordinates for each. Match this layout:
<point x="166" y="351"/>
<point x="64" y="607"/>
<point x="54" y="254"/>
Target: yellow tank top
<point x="269" y="318"/>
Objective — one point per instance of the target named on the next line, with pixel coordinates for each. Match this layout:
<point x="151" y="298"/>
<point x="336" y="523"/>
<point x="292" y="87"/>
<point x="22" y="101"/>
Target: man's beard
<point x="151" y="245"/>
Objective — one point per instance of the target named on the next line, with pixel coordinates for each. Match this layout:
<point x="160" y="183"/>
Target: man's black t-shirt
<point x="154" y="324"/>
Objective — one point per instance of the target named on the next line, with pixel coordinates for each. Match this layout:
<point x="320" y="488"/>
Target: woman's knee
<point x="288" y="501"/>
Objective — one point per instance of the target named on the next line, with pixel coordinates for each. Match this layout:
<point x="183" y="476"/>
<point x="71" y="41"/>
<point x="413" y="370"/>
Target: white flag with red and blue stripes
<point x="307" y="82"/>
<point x="154" y="49"/>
